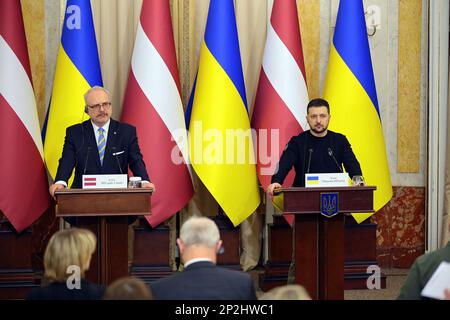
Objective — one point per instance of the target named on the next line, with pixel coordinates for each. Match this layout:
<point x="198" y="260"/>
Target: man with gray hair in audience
<point x="202" y="279"/>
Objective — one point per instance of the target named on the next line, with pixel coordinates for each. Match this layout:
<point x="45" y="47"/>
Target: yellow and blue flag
<point x="77" y="69"/>
<point x="350" y="90"/>
<point x="221" y="146"/>
<point x="312" y="180"/>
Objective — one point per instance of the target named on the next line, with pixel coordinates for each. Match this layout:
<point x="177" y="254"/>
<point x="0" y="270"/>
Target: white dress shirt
<point x="196" y="260"/>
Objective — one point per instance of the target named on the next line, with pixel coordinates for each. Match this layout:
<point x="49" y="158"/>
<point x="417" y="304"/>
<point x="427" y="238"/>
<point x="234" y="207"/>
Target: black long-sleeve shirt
<point x="298" y="151"/>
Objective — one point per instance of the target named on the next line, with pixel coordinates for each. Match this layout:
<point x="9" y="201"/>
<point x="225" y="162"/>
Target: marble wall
<point x="409" y="88"/>
<point x="401" y="228"/>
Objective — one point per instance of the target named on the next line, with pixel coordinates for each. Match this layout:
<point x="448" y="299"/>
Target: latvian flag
<point x="89" y="182"/>
<point x="153" y="104"/>
<point x="23" y="180"/>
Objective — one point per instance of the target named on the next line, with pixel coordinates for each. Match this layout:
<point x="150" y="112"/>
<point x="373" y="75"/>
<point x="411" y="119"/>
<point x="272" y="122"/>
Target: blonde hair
<point x="200" y="231"/>
<point x="287" y="292"/>
<point x="128" y="288"/>
<point x="68" y="247"/>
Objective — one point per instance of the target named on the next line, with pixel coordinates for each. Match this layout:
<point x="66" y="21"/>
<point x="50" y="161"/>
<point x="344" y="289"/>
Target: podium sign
<point x="313" y="180"/>
<point x="105" y="181"/>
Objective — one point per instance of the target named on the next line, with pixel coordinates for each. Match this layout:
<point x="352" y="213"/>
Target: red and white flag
<point x="282" y="96"/>
<point x="23" y="180"/>
<point x="153" y="104"/>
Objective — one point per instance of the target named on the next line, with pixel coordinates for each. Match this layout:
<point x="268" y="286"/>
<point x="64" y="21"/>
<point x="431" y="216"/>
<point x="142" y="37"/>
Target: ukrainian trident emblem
<point x="329" y="204"/>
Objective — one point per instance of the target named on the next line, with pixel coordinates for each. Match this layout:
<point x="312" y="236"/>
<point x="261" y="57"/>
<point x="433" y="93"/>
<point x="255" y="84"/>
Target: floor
<point x="394" y="281"/>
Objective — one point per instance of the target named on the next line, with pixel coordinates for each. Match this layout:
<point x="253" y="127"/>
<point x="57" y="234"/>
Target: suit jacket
<point x="80" y="151"/>
<point x="421" y="271"/>
<point x="59" y="291"/>
<point x="205" y="281"/>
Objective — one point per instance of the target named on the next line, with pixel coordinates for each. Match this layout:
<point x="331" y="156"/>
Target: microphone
<point x="309" y="159"/>
<point x="87" y="157"/>
<point x="115" y="156"/>
<point x="330" y="153"/>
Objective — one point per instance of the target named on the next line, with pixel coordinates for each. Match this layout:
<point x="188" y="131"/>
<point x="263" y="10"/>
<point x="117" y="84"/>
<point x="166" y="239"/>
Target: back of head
<point x="287" y="292"/>
<point x="200" y="231"/>
<point x="68" y="248"/>
<point x="128" y="288"/>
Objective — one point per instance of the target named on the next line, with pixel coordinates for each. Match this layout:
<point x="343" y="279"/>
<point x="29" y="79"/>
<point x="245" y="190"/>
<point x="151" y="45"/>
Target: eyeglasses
<point x="97" y="107"/>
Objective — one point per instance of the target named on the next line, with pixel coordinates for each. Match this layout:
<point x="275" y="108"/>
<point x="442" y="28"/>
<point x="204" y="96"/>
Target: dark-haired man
<point x="317" y="150"/>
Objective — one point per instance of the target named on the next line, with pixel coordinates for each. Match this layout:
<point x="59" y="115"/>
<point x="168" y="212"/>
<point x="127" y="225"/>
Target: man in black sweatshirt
<point x="317" y="150"/>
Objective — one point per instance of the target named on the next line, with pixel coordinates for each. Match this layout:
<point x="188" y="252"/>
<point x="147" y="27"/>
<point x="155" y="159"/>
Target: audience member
<point x="128" y="288"/>
<point x="287" y="292"/>
<point x="66" y="259"/>
<point x="421" y="271"/>
<point x="202" y="279"/>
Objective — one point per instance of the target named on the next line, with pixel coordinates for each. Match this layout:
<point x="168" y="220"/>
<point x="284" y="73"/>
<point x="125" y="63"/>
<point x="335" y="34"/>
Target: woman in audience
<point x="66" y="259"/>
<point x="128" y="288"/>
<point x="286" y="292"/>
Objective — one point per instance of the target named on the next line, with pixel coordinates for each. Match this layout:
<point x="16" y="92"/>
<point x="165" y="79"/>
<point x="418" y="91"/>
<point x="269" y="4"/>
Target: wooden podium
<point x="105" y="212"/>
<point x="319" y="240"/>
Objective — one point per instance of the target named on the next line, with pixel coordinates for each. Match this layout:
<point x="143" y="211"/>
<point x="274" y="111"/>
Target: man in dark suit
<point x="201" y="279"/>
<point x="99" y="145"/>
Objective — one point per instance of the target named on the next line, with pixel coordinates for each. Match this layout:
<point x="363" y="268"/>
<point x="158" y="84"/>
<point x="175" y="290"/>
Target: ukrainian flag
<point x="219" y="117"/>
<point x="77" y="69"/>
<point x="350" y="90"/>
<point x="312" y="180"/>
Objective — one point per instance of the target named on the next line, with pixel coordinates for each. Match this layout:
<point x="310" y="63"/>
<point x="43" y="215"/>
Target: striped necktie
<point x="101" y="144"/>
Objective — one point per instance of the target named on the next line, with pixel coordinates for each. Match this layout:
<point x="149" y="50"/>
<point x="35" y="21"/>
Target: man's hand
<point x="447" y="294"/>
<point x="272" y="187"/>
<point x="55" y="187"/>
<point x="148" y="185"/>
